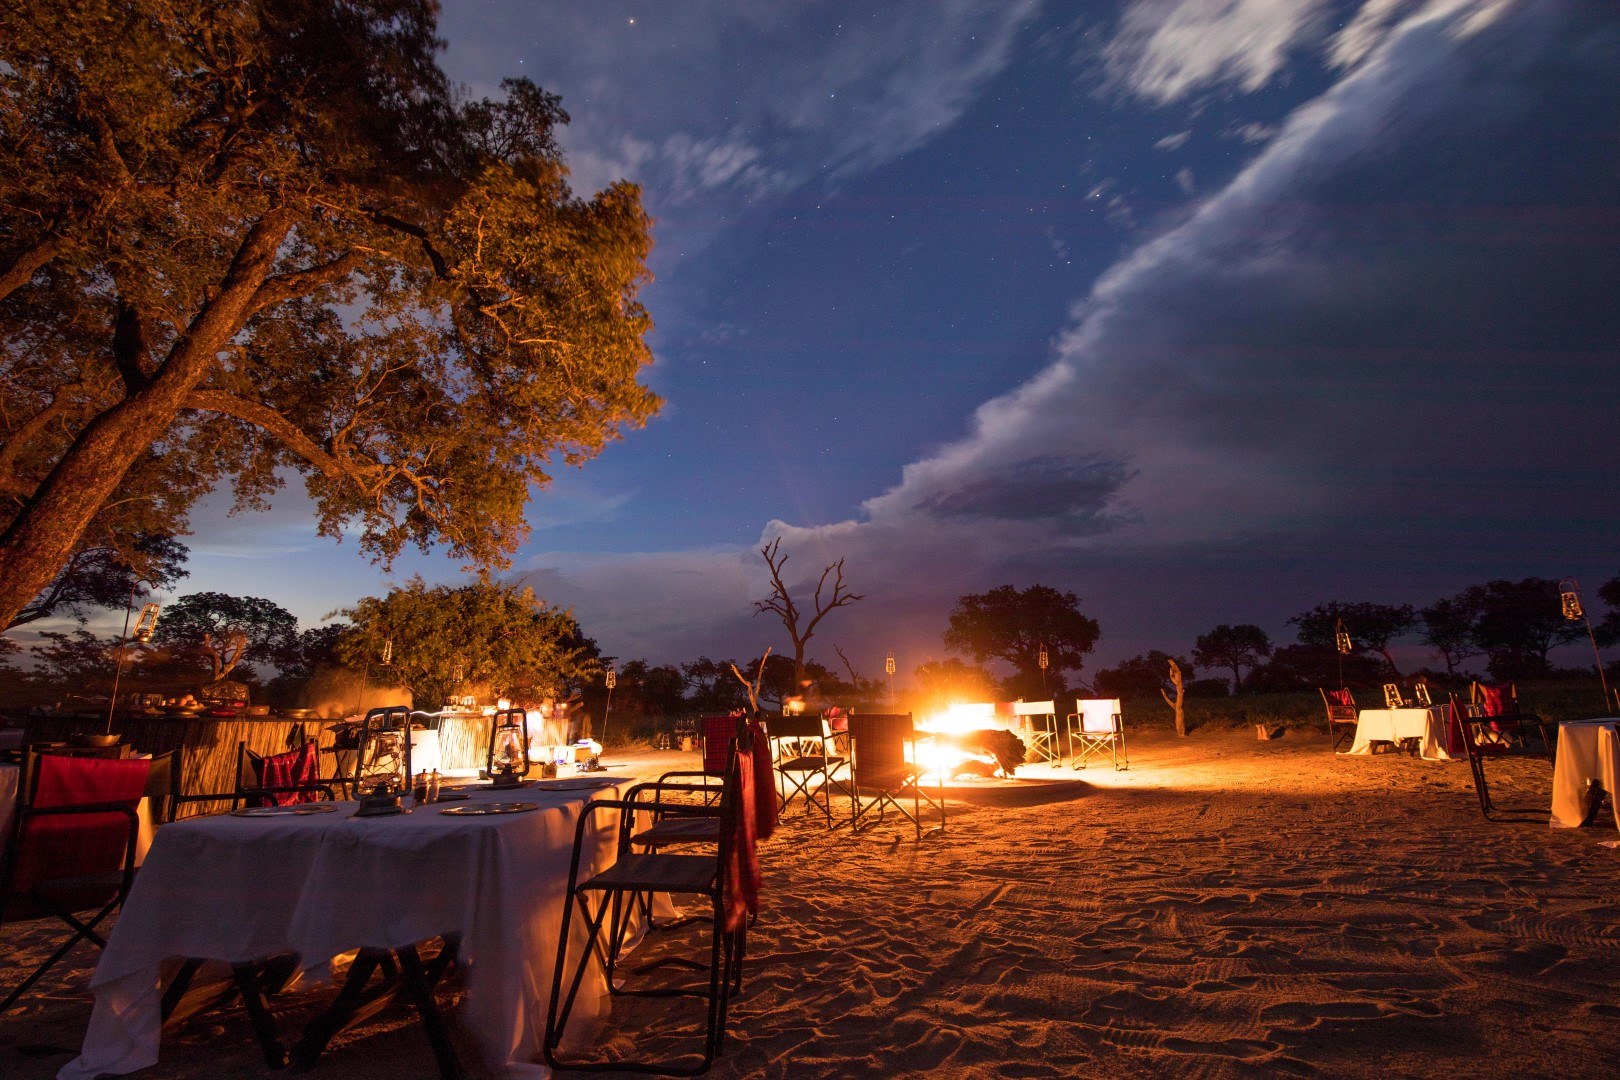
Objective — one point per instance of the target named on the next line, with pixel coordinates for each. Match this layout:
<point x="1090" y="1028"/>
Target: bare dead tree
<point x="781" y="604"/>
<point x="854" y="676"/>
<point x="752" y="688"/>
<point x="1175" y="703"/>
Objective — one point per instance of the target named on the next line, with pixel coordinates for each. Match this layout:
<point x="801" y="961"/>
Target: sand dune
<point x="1224" y="908"/>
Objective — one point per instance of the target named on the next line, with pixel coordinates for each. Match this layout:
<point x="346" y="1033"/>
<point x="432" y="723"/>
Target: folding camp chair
<point x="717" y="733"/>
<point x="1097" y="727"/>
<point x="72" y="847"/>
<point x="1499" y="737"/>
<point x="279" y="779"/>
<point x="1341" y="715"/>
<point x="807" y="762"/>
<point x="882" y="771"/>
<point x="728" y="878"/>
<point x="1038" y="727"/>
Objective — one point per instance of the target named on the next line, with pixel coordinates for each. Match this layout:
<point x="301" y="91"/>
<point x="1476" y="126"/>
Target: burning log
<point x="1006" y="748"/>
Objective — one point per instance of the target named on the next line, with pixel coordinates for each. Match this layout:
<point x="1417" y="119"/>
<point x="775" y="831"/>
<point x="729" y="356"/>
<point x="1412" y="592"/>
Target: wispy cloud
<point x="1165" y="50"/>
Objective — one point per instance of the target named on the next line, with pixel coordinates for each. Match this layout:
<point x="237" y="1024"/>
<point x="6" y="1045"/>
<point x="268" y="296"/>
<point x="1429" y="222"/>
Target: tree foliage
<point x="1012" y="625"/>
<point x="107" y="577"/>
<point x="1448" y="628"/>
<point x="1518" y="623"/>
<point x="1233" y="648"/>
<point x="239" y="239"/>
<point x="1371" y="626"/>
<point x="1141" y="675"/>
<point x="439" y="641"/>
<point x="228" y="630"/>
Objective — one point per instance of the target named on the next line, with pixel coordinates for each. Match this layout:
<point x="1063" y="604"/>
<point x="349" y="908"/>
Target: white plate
<point x="491" y="808"/>
<point x="291" y="809"/>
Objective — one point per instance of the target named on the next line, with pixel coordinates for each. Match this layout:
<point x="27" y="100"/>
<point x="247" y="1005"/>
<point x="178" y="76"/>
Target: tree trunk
<point x="42" y="537"/>
<point x="1176" y="702"/>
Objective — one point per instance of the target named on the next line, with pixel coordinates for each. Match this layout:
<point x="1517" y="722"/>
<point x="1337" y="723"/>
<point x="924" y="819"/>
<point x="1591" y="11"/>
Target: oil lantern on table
<point x="508" y="760"/>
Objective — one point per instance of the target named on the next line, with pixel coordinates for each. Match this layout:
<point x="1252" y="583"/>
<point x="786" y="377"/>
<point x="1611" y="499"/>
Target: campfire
<point x="969" y="740"/>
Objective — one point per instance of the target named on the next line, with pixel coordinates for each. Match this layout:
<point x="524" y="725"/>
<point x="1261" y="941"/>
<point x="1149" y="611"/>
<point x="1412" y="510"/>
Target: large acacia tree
<point x="1013" y="625"/>
<point x="241" y="237"/>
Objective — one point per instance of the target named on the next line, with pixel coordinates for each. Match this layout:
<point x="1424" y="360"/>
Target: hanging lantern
<point x="888" y="664"/>
<point x="1341" y="638"/>
<point x="387" y="651"/>
<point x="146" y="625"/>
<point x="508" y="761"/>
<point x="610" y="678"/>
<point x="1569" y="596"/>
<point x="1043" y="659"/>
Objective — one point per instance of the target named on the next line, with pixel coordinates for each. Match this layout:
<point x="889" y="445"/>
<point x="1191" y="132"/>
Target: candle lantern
<point x="146" y="625"/>
<point x="1341" y="639"/>
<point x="508" y="759"/>
<point x="1569" y="596"/>
<point x="888" y="664"/>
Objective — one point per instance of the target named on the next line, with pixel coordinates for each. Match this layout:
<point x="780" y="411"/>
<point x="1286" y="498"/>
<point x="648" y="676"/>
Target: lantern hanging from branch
<point x="1341" y="638"/>
<point x="1569" y="600"/>
<point x="508" y="760"/>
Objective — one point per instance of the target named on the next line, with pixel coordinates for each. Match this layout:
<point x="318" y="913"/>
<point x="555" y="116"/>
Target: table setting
<point x="486" y="865"/>
<point x="1426" y="726"/>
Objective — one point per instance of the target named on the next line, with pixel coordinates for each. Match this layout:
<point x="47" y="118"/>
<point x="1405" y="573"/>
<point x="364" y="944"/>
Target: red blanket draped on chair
<point x="755" y="809"/>
<point x="295" y="767"/>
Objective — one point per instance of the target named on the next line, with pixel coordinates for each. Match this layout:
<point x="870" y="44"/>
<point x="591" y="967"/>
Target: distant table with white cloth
<point x="1588" y="751"/>
<point x="320" y="885"/>
<point x="1428" y="726"/>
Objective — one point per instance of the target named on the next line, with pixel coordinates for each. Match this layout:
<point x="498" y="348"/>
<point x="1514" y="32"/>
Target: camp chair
<point x="882" y="772"/>
<point x="807" y="762"/>
<point x="72" y="847"/>
<point x="1341" y="714"/>
<point x="1501" y="699"/>
<point x="1038" y="726"/>
<point x="1097" y="727"/>
<point x="279" y="779"/>
<point x="727" y="877"/>
<point x="1498" y="737"/>
<point x="717" y="733"/>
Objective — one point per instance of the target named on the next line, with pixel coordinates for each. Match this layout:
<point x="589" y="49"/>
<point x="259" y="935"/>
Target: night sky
<point x="1207" y="310"/>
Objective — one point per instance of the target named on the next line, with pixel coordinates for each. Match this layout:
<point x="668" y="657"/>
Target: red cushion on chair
<point x="299" y="766"/>
<point x="54" y="847"/>
<point x="1340" y="697"/>
<point x="1490" y="700"/>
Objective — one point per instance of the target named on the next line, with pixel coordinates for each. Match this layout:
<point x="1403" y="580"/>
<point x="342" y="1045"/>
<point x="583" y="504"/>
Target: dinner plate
<point x="579" y="784"/>
<point x="291" y="809"/>
<point x="491" y="808"/>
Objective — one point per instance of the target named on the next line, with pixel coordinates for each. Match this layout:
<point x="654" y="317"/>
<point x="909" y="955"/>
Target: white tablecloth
<point x="1393" y="725"/>
<point x="239" y="889"/>
<point x="1587" y="750"/>
<point x="9" y="778"/>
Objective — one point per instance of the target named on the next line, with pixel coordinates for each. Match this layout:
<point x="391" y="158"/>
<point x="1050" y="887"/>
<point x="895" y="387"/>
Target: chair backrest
<point x="1341" y="707"/>
<point x="299" y="768"/>
<point x="719" y="732"/>
<point x="1034" y="708"/>
<point x="1097" y="714"/>
<point x="803" y="726"/>
<point x="878" y="750"/>
<point x="54" y="846"/>
<point x="162" y="784"/>
<point x="1500" y="700"/>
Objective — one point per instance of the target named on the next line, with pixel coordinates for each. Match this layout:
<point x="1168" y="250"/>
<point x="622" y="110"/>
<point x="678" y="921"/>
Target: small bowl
<point x="94" y="739"/>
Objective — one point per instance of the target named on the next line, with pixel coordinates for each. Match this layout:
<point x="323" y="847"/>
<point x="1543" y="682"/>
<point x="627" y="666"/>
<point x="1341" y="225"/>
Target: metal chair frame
<point x="1342" y="719"/>
<point x="617" y="891"/>
<point x="39" y="899"/>
<point x="804" y="749"/>
<point x="1096" y="741"/>
<point x="880" y="764"/>
<point x="1498" y="737"/>
<point x="1039" y="728"/>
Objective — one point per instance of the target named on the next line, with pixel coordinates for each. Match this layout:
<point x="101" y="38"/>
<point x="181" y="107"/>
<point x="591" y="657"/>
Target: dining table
<point x="318" y="881"/>
<point x="1427" y="726"/>
<point x="1588" y="756"/>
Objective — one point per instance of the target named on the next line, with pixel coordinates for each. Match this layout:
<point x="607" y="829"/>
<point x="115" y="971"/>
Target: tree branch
<point x="25" y="266"/>
<point x="294" y="284"/>
<point x="271" y="421"/>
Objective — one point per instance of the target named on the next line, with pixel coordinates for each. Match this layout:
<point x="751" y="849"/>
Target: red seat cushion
<point x="54" y="847"/>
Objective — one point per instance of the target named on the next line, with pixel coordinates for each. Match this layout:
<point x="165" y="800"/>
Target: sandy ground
<point x="1224" y="908"/>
